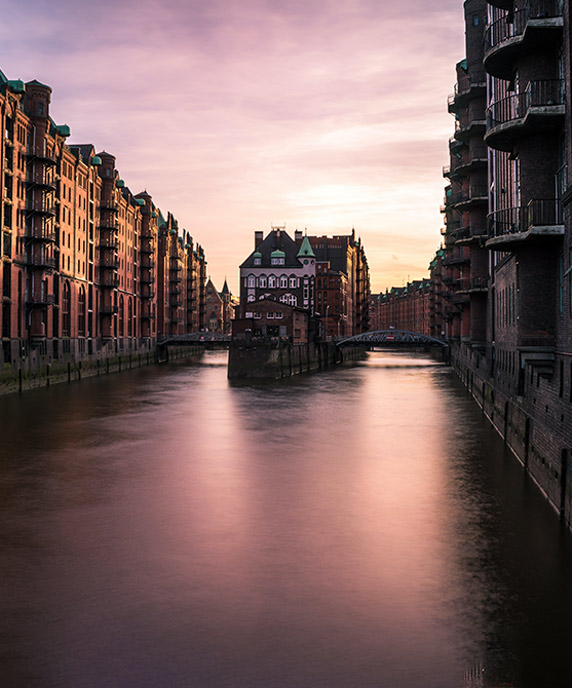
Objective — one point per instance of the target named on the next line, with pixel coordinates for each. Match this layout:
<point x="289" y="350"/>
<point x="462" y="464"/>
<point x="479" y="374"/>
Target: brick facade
<point x="85" y="264"/>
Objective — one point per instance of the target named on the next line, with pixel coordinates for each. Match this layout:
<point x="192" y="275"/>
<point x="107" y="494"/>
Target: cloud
<point x="327" y="115"/>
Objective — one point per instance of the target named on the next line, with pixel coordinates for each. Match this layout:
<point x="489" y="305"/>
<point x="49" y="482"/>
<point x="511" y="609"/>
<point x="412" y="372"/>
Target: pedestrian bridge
<point x="392" y="338"/>
<point x="203" y="338"/>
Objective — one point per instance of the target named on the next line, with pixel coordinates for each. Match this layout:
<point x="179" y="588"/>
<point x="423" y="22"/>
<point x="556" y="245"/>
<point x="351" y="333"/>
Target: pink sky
<point x="241" y="114"/>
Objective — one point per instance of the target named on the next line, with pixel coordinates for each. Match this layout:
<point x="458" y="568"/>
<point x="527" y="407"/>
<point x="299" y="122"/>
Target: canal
<point x="360" y="528"/>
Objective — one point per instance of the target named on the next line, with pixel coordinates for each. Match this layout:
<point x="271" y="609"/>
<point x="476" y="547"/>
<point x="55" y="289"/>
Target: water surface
<point x="362" y="527"/>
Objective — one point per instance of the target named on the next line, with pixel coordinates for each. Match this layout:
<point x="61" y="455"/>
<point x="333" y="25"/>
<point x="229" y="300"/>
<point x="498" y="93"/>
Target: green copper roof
<point x="278" y="254"/>
<point x="139" y="201"/>
<point x="257" y="254"/>
<point x="95" y="160"/>
<point x="63" y="129"/>
<point x="306" y="249"/>
<point x="120" y="183"/>
<point x="17" y="85"/>
<point x="172" y="231"/>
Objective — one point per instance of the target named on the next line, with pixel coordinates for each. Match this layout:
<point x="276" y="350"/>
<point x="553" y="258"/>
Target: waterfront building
<point x="279" y="269"/>
<point x="343" y="283"/>
<point x="219" y="308"/>
<point x="86" y="269"/>
<point x="270" y="319"/>
<point x="328" y="276"/>
<point x="507" y="258"/>
<point x="403" y="308"/>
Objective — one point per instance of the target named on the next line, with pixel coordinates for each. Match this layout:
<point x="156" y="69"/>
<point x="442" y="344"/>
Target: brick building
<point x="218" y="308"/>
<point x="85" y="262"/>
<point x="328" y="276"/>
<point x="506" y="268"/>
<point x="403" y="308"/>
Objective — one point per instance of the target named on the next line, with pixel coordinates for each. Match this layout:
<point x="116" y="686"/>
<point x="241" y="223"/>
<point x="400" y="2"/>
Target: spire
<point x="305" y="249"/>
<point x="225" y="289"/>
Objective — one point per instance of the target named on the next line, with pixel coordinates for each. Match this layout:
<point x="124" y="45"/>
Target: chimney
<point x="298" y="235"/>
<point x="258" y="237"/>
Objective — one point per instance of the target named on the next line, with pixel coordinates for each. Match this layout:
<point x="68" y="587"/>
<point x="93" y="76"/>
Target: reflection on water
<point x="362" y="527"/>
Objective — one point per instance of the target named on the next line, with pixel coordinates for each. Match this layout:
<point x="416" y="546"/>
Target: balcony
<point x="40" y="208"/>
<point x="109" y="264"/>
<point x="456" y="259"/>
<point x="473" y="285"/>
<point x="109" y="206"/>
<point x="467" y="235"/>
<point x="41" y="235"/>
<point x="455" y="144"/>
<point x="39" y="180"/>
<point x="41" y="154"/>
<point x="110" y="282"/>
<point x="40" y="300"/>
<point x="110" y="226"/>
<point x="470" y="161"/>
<point x="537" y="222"/>
<point x="40" y="262"/>
<point x="538" y="109"/>
<point x="465" y="90"/>
<point x="108" y="244"/>
<point x="466" y="130"/>
<point x="468" y="198"/>
<point x="536" y="26"/>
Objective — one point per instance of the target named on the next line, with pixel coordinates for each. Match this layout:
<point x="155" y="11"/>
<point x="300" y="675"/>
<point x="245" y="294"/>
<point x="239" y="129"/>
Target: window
<point x="270" y="316"/>
<point x="272" y="282"/>
<point x="293" y="283"/>
<point x="283" y="282"/>
<point x="258" y="261"/>
<point x="290" y="299"/>
<point x="278" y="316"/>
<point x="262" y="281"/>
<point x="251" y="281"/>
<point x="81" y="313"/>
<point x="250" y="298"/>
<point x="66" y="298"/>
<point x="257" y="316"/>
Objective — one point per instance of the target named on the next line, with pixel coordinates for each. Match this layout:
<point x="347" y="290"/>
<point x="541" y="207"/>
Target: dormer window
<point x="258" y="261"/>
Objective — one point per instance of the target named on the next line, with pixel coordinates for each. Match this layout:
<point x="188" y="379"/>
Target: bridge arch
<point x="393" y="338"/>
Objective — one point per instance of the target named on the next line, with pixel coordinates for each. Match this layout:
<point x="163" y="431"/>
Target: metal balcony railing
<point x="537" y="213"/>
<point x="502" y="30"/>
<point x="537" y="94"/>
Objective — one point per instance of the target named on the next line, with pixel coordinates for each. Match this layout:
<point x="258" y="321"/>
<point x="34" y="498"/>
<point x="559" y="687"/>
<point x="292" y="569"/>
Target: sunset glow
<point x="238" y="115"/>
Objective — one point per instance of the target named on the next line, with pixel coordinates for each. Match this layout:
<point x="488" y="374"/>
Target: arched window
<point x="251" y="281"/>
<point x="81" y="313"/>
<point x="283" y="282"/>
<point x="251" y="297"/>
<point x="130" y="318"/>
<point x="272" y="282"/>
<point x="66" y="309"/>
<point x="262" y="281"/>
<point x="293" y="282"/>
<point x="290" y="299"/>
<point x="121" y="317"/>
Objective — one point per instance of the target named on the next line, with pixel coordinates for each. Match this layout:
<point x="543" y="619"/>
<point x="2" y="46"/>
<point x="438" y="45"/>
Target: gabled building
<point x="279" y="269"/>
